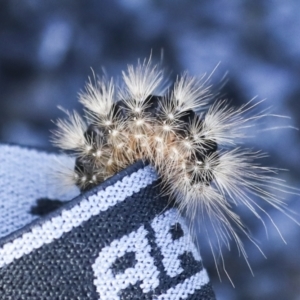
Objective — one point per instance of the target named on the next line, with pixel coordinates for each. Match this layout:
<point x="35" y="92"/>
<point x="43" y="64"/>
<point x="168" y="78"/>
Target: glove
<point x="120" y="240"/>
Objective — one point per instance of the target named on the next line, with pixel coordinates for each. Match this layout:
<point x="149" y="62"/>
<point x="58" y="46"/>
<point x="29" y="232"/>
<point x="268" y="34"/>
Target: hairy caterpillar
<point x="195" y="146"/>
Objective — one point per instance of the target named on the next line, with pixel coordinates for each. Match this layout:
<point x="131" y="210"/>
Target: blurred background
<point x="47" y="50"/>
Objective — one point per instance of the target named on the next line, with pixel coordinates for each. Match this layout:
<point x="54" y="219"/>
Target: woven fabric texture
<point x="121" y="240"/>
<point x="23" y="180"/>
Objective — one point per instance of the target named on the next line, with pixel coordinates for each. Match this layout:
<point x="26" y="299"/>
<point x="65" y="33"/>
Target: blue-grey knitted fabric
<point x="120" y="240"/>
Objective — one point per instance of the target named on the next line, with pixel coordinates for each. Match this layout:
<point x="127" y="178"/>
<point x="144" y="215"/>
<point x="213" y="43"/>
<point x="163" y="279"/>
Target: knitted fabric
<point x="120" y="240"/>
<point x="24" y="178"/>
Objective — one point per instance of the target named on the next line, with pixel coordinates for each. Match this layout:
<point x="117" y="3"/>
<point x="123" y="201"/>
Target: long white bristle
<point x="190" y="93"/>
<point x="70" y="133"/>
<point x="140" y="82"/>
<point x="98" y="98"/>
